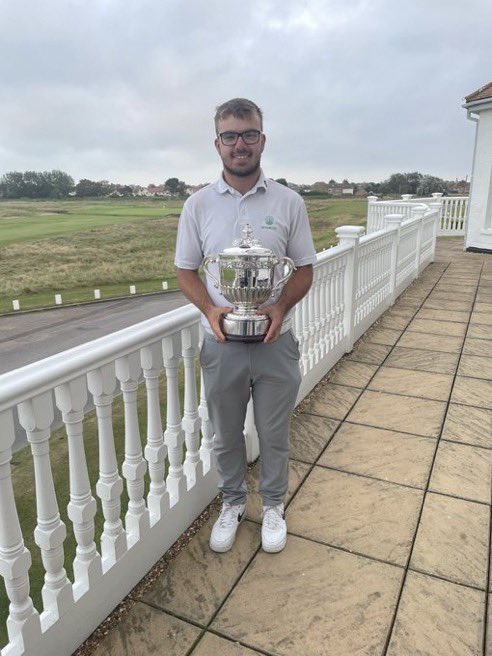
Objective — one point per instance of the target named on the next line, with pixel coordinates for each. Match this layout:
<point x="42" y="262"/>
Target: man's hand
<point x="276" y="313"/>
<point x="214" y="315"/>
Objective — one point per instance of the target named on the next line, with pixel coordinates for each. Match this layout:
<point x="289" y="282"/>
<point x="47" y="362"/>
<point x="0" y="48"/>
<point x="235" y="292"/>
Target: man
<point x="211" y="219"/>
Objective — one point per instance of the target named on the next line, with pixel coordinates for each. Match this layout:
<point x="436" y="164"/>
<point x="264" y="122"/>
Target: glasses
<point x="249" y="137"/>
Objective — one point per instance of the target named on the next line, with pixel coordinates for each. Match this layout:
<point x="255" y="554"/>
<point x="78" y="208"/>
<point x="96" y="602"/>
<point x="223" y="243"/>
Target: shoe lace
<point x="273" y="517"/>
<point x="228" y="516"/>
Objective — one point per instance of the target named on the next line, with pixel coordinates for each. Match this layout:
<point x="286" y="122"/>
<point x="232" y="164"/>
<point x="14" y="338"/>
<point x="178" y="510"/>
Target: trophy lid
<point x="247" y="245"/>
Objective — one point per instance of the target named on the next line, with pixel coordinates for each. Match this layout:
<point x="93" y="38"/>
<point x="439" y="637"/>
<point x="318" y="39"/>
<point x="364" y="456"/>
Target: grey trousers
<point x="270" y="372"/>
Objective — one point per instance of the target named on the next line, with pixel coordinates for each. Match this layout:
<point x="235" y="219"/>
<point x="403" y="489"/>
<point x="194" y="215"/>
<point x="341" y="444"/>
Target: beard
<point x="242" y="173"/>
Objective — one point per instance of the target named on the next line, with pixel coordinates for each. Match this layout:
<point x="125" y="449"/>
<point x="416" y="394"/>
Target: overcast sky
<point x="125" y="90"/>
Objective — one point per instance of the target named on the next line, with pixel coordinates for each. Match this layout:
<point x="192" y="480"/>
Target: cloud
<point x="126" y="91"/>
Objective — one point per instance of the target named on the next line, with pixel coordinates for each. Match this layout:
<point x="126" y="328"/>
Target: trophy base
<point x="252" y="328"/>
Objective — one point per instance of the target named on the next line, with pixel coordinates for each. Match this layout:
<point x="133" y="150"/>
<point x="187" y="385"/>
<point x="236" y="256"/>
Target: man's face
<point x="241" y="159"/>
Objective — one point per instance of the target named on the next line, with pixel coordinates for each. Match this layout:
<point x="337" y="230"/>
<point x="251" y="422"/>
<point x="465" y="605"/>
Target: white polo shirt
<point x="216" y="215"/>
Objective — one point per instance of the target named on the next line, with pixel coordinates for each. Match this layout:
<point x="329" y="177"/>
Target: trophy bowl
<point x="246" y="280"/>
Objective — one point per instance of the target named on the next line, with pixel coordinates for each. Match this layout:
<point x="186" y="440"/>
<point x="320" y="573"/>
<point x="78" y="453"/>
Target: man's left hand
<point x="276" y="314"/>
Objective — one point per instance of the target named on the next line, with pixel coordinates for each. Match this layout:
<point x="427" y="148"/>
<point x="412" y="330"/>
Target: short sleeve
<point x="300" y="247"/>
<point x="189" y="254"/>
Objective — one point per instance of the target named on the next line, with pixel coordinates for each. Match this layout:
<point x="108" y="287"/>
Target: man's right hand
<point x="214" y="316"/>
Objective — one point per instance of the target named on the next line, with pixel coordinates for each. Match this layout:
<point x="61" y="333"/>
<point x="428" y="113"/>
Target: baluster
<point x="322" y="310"/>
<point x="137" y="518"/>
<point x="71" y="399"/>
<point x="207" y="445"/>
<point x="109" y="487"/>
<point x="36" y="417"/>
<point x="340" y="303"/>
<point x="305" y="335"/>
<point x="191" y="420"/>
<point x="155" y="449"/>
<point x="23" y="623"/>
<point x="333" y="305"/>
<point x="173" y="435"/>
<point x="317" y="323"/>
<point x="310" y="303"/>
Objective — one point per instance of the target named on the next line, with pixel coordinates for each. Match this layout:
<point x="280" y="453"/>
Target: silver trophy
<point x="246" y="279"/>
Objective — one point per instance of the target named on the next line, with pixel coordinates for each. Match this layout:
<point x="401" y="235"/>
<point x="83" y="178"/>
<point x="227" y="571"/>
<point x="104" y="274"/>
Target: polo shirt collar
<point x="222" y="186"/>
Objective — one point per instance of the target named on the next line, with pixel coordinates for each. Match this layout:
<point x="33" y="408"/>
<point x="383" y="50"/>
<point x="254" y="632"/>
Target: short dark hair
<point x="239" y="108"/>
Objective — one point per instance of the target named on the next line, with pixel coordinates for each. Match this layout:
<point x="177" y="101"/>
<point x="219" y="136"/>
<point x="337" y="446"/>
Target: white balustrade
<point x="137" y="520"/>
<point x="23" y="623"/>
<point x="353" y="284"/>
<point x="174" y="434"/>
<point x="155" y="449"/>
<point x="191" y="419"/>
<point x="36" y="417"/>
<point x="102" y="383"/>
<point x="71" y="399"/>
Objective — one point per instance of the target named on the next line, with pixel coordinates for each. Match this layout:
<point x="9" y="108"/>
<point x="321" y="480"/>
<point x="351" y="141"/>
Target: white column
<point x="109" y="487"/>
<point x="393" y="222"/>
<point x="350" y="235"/>
<point x="71" y="399"/>
<point x="36" y="417"/>
<point x="155" y="449"/>
<point x="23" y="624"/>
<point x="137" y="519"/>
<point x="173" y="435"/>
<point x="206" y="448"/>
<point x="191" y="420"/>
<point x="418" y="213"/>
<point x="437" y="208"/>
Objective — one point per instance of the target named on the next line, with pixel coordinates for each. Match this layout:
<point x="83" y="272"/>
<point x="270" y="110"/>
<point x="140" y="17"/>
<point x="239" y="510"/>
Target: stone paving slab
<point x="388" y="507"/>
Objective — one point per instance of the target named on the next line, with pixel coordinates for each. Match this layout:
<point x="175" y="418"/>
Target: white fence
<point x="453" y="211"/>
<point x="353" y="284"/>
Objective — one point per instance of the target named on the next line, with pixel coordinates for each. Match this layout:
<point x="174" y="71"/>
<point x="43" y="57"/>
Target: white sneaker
<point x="273" y="529"/>
<point x="224" y="530"/>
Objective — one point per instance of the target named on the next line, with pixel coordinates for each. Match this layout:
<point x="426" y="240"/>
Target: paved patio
<point x="388" y="508"/>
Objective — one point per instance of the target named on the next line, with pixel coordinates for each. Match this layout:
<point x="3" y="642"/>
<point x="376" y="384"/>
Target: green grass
<point x="73" y="247"/>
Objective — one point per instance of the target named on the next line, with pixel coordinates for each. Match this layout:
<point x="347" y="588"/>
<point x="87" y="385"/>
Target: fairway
<point x="32" y="220"/>
<point x="73" y="246"/>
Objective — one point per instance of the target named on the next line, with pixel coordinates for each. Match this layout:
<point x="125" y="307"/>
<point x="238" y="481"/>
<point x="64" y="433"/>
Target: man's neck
<point x="243" y="185"/>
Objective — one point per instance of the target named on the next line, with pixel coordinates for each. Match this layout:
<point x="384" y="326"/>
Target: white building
<point x="479" y="224"/>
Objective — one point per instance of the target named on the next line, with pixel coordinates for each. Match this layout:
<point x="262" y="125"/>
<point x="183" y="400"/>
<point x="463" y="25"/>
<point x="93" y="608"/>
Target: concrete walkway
<point x="388" y="506"/>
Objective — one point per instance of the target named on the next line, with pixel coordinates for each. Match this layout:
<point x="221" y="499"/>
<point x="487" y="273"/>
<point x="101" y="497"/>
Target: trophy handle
<point x="205" y="263"/>
<point x="290" y="264"/>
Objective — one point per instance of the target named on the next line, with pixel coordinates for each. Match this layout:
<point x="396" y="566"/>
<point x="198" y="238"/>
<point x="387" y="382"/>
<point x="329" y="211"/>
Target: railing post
<point x="350" y="235"/>
<point x="393" y="222"/>
<point x="418" y="213"/>
<point x="437" y="208"/>
<point x="438" y="199"/>
<point x="371" y="209"/>
<point x="15" y="560"/>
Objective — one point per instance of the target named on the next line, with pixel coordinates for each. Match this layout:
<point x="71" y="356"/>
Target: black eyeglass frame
<point x="257" y="133"/>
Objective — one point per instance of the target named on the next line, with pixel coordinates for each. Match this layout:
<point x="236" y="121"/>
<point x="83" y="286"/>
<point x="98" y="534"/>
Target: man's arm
<point x="195" y="291"/>
<point x="296" y="288"/>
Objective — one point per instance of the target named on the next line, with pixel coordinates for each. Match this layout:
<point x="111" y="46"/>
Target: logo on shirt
<point x="269" y="223"/>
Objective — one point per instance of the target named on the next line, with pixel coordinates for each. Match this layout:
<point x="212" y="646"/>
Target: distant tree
<point x="402" y="183"/>
<point x="175" y="187"/>
<point x="282" y="181"/>
<point x="345" y="182"/>
<point x="12" y="185"/>
<point x="35" y="184"/>
<point x="431" y="184"/>
<point x="60" y="183"/>
<point x="87" y="187"/>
